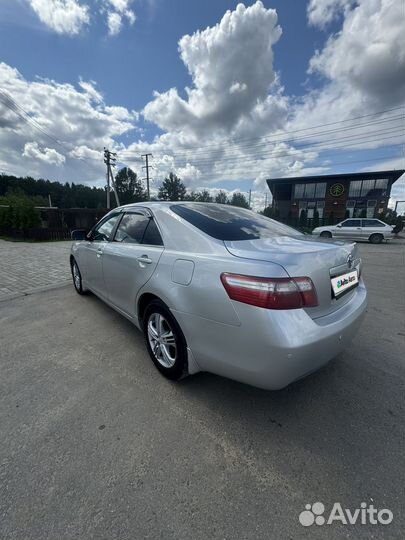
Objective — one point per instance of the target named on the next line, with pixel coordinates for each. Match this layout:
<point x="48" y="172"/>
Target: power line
<point x="275" y="138"/>
<point x="201" y="156"/>
<point x="281" y="153"/>
<point x="9" y="102"/>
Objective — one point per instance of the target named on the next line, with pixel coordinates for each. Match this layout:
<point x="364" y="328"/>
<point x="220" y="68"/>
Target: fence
<point x="37" y="234"/>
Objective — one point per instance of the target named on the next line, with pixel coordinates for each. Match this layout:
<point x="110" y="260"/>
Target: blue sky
<point x="305" y="74"/>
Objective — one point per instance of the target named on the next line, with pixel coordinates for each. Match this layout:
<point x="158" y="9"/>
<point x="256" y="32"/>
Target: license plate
<point x="341" y="284"/>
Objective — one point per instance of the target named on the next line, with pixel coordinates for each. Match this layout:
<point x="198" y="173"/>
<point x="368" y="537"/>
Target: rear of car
<point x="297" y="300"/>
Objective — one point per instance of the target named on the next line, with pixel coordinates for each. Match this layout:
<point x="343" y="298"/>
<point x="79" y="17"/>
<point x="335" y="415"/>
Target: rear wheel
<point x="165" y="341"/>
<point x="376" y="238"/>
<point x="326" y="234"/>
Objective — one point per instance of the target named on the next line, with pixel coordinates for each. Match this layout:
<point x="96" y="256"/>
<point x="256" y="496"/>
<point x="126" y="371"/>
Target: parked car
<point x="222" y="289"/>
<point x="373" y="230"/>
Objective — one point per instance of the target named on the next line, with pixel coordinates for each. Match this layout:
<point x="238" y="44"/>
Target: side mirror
<point x="339" y="225"/>
<point x="79" y="234"/>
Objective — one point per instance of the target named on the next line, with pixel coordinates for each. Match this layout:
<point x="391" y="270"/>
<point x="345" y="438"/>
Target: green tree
<point x="19" y="213"/>
<point x="190" y="196"/>
<point x="303" y="218"/>
<point x="221" y="197"/>
<point x="129" y="187"/>
<point x="203" y="196"/>
<point x="271" y="212"/>
<point x="238" y="199"/>
<point x="172" y="189"/>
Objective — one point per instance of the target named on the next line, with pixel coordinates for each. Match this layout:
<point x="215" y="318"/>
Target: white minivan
<point x="373" y="230"/>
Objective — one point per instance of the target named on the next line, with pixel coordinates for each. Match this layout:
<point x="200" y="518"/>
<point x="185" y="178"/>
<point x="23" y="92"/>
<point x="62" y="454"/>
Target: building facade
<point x="334" y="197"/>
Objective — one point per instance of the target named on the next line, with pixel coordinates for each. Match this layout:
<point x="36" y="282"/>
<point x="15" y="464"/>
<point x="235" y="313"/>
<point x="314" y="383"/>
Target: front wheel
<point x="376" y="238"/>
<point x="77" y="278"/>
<point x="326" y="234"/>
<point x="165" y="341"/>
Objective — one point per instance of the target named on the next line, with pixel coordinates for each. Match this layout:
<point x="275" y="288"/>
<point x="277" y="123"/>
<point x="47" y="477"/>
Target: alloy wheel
<point x="162" y="340"/>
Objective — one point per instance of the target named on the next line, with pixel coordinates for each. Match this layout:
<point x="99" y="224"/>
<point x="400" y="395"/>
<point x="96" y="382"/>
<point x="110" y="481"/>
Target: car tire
<point x="77" y="278"/>
<point x="165" y="341"/>
<point x="376" y="238"/>
<point x="326" y="234"/>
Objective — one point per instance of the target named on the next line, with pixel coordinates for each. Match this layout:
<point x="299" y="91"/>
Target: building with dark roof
<point x="333" y="196"/>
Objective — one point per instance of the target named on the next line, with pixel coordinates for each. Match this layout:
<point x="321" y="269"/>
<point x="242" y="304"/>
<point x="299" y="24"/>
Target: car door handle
<point x="144" y="259"/>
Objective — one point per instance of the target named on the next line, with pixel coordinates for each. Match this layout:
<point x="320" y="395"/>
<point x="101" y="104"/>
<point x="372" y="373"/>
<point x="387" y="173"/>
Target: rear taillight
<point x="271" y="293"/>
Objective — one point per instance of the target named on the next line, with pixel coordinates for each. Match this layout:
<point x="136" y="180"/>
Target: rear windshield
<point x="230" y="222"/>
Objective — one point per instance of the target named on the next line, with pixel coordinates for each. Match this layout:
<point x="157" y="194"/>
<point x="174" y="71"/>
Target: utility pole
<point x="109" y="160"/>
<point x="265" y="200"/>
<point x="147" y="166"/>
<point x="250" y="197"/>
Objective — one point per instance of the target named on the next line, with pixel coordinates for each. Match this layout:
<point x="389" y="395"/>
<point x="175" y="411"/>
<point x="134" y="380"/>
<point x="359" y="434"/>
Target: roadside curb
<point x="34" y="290"/>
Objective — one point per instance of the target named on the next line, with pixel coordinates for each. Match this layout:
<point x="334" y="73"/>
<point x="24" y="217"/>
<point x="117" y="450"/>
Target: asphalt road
<point x="96" y="444"/>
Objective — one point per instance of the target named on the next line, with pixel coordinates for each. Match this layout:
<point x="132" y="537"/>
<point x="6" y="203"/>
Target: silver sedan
<point x="222" y="289"/>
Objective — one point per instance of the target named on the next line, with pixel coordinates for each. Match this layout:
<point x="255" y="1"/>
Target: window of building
<point x="299" y="191"/>
<point x="320" y="190"/>
<point x="355" y="188"/>
<point x="381" y="183"/>
<point x="320" y="206"/>
<point x="350" y="206"/>
<point x="310" y="191"/>
<point x="367" y="188"/>
<point x="371" y="204"/>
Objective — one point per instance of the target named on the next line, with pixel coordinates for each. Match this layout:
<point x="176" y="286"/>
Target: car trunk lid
<point x="305" y="256"/>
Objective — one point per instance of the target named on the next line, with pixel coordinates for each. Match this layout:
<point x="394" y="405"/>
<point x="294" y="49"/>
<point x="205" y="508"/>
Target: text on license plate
<point x="341" y="283"/>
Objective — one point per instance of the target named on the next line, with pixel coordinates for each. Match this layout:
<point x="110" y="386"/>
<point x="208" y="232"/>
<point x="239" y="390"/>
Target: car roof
<point x="165" y="204"/>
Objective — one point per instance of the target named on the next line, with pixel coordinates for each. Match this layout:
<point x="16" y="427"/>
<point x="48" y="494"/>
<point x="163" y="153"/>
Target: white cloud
<point x="117" y="12"/>
<point x="90" y="88"/>
<point x="322" y="12"/>
<point x="47" y="155"/>
<point x="227" y="84"/>
<point x="368" y="54"/>
<point x="62" y="16"/>
<point x="114" y="21"/>
<point x="66" y="121"/>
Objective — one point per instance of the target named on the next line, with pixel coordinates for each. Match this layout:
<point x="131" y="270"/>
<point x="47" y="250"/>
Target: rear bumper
<point x="270" y="349"/>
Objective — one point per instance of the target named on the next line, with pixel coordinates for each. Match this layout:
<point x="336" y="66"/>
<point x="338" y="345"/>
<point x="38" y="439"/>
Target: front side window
<point x="351" y="223"/>
<point x="131" y="229"/>
<point x="231" y="223"/>
<point x="103" y="231"/>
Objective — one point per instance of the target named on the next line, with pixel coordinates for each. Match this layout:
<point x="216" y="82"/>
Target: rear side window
<point x="131" y="229"/>
<point x="152" y="235"/>
<point x="230" y="222"/>
<point x="372" y="223"/>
